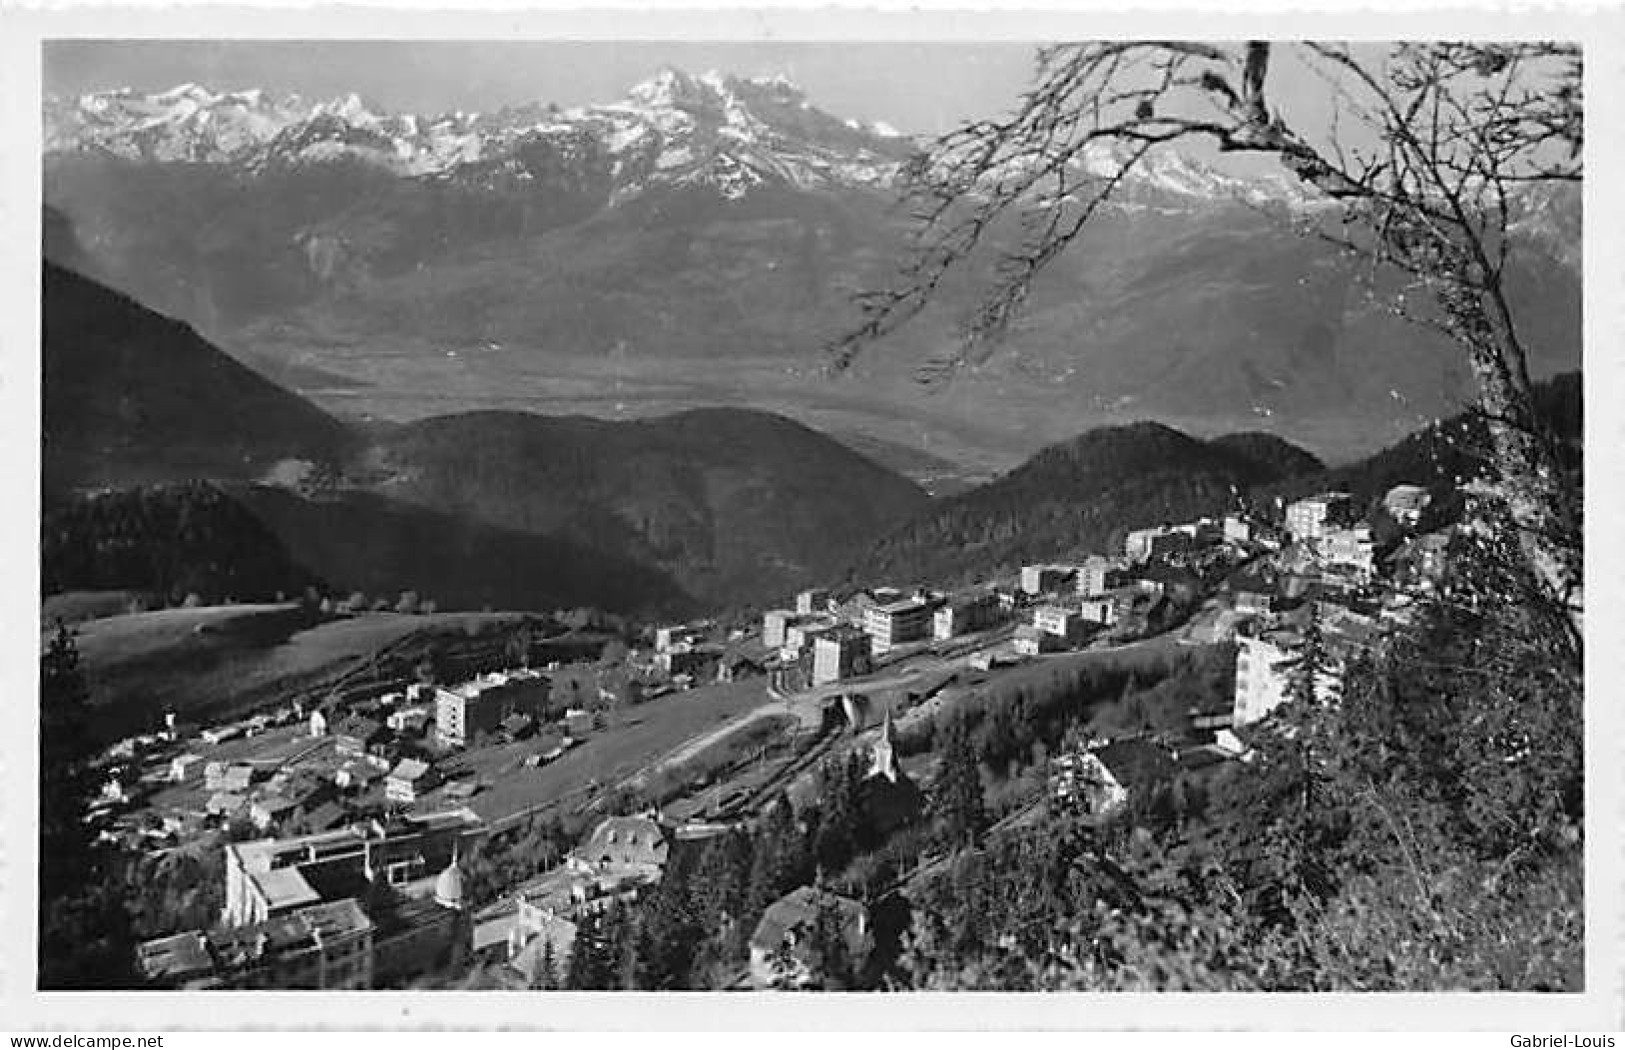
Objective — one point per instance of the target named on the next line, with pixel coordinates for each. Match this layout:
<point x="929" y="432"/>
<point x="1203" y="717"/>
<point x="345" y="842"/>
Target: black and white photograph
<point x="1043" y="515"/>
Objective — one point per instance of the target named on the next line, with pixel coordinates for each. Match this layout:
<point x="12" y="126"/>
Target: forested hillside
<point x="1079" y="496"/>
<point x="131" y="397"/>
<point x="736" y="505"/>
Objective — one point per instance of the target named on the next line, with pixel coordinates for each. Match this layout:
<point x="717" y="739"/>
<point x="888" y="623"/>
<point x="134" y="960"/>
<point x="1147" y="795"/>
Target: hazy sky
<point x="916" y="87"/>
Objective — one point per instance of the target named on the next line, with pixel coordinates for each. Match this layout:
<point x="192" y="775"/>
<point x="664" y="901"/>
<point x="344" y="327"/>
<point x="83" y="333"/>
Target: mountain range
<point x="695" y="509"/>
<point x="697" y="242"/>
<point x="171" y="469"/>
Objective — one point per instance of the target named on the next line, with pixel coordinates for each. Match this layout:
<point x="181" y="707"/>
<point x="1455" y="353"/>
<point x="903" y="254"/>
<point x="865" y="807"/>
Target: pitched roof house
<point x="785" y="949"/>
<point x="630" y="843"/>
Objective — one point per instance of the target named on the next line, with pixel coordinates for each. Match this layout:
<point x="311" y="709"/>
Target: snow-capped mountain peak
<point x="712" y="128"/>
<point x="731" y="133"/>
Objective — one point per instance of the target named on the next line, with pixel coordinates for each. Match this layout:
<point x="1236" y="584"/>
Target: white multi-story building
<point x="1352" y="549"/>
<point x="964" y="615"/>
<point x="479" y="706"/>
<point x="839" y="654"/>
<point x="774" y="622"/>
<point x="1264" y="669"/>
<point x="897" y="623"/>
<point x="1311" y="518"/>
<point x="1030" y="641"/>
<point x="1098" y="574"/>
<point x="800" y="632"/>
<point x="673" y="637"/>
<point x="1045" y="579"/>
<point x="812" y="600"/>
<point x="1101" y="608"/>
<point x="1056" y="619"/>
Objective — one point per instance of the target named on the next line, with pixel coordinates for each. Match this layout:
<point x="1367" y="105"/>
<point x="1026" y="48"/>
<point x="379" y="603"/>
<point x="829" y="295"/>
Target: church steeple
<point x="885" y="752"/>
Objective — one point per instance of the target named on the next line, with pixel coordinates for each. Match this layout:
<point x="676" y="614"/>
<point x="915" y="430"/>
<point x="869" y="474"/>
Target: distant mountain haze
<point x="701" y="510"/>
<point x="697" y="242"/>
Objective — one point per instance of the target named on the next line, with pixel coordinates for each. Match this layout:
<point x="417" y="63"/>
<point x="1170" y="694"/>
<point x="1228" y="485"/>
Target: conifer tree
<point x="547" y="977"/>
<point x="592" y="964"/>
<point x="84" y="931"/>
<point x="958" y="792"/>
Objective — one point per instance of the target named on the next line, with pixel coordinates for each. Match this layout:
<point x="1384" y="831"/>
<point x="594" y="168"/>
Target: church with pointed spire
<point x="883" y="757"/>
<point x="888" y="796"/>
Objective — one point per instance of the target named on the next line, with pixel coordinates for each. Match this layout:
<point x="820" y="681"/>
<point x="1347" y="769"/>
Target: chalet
<point x="624" y="846"/>
<point x="224" y="804"/>
<point x="672" y="637"/>
<point x="788" y="946"/>
<point x="1060" y="621"/>
<point x="1405" y="504"/>
<point x="357" y="775"/>
<point x="357" y="735"/>
<point x="578" y="722"/>
<point x="1352" y="549"/>
<point x="318" y="723"/>
<point x="221" y="734"/>
<point x="410" y="720"/>
<point x="1102" y="609"/>
<point x="304" y="787"/>
<point x="1031" y="641"/>
<point x="537" y="933"/>
<point x="1140" y="764"/>
<point x="1419" y="564"/>
<point x="180" y="961"/>
<point x="271" y="811"/>
<point x="686" y="659"/>
<point x="182" y="767"/>
<point x="460" y="791"/>
<point x="407" y="782"/>
<point x="1237" y="528"/>
<point x="517" y="727"/>
<point x="1080" y="782"/>
<point x="218" y="776"/>
<point x="325" y="816"/>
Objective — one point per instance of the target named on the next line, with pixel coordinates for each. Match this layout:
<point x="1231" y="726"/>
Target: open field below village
<point x="212" y="662"/>
<point x="75" y="607"/>
<point x="628" y="742"/>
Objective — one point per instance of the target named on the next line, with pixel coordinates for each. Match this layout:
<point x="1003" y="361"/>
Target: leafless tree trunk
<point x="1452" y="138"/>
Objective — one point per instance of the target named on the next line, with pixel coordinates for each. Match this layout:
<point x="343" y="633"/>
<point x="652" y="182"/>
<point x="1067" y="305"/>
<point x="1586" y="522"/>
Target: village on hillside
<point x="345" y="825"/>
